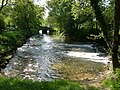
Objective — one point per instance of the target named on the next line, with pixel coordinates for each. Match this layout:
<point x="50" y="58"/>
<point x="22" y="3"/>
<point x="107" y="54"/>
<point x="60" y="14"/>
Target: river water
<point x="34" y="59"/>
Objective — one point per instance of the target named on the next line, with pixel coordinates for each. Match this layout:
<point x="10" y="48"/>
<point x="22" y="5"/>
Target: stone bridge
<point x="46" y="30"/>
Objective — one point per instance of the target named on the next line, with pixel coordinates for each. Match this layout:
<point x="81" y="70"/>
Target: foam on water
<point x="47" y="38"/>
<point x="89" y="56"/>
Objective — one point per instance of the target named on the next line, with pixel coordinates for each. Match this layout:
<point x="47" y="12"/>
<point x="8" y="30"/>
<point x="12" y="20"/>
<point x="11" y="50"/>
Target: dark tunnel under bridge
<point x="46" y="30"/>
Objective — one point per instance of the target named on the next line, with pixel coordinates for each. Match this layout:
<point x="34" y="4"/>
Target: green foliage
<point x="4" y="41"/>
<point x="18" y="84"/>
<point x="60" y="14"/>
<point x="11" y="39"/>
<point x="14" y="38"/>
<point x="91" y="88"/>
<point x="73" y="18"/>
<point x="2" y="25"/>
<point x="81" y="8"/>
<point x="21" y="15"/>
<point x="3" y="49"/>
<point x="113" y="82"/>
<point x="26" y="15"/>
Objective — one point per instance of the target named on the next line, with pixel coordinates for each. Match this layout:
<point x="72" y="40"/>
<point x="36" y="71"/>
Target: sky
<point x="42" y="2"/>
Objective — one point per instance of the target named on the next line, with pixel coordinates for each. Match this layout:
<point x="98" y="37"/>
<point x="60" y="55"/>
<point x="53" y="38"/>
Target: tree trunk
<point x="113" y="48"/>
<point x="116" y="35"/>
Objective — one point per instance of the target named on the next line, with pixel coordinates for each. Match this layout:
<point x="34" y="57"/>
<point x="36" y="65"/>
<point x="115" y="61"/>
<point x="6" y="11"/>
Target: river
<point x="37" y="59"/>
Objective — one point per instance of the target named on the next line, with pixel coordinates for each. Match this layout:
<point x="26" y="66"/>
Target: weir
<point x="35" y="59"/>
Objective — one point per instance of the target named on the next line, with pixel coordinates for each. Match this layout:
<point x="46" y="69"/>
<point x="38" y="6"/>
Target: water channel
<point x="35" y="59"/>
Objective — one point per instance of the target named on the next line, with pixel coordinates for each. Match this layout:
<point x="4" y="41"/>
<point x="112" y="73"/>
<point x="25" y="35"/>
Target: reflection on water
<point x="35" y="58"/>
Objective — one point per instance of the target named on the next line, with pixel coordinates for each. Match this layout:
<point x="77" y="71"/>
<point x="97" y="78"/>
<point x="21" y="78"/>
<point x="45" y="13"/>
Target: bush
<point x="11" y="39"/>
<point x="3" y="40"/>
<point x="15" y="38"/>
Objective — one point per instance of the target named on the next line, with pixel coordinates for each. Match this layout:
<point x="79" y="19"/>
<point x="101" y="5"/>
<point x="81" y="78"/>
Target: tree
<point x="58" y="13"/>
<point x="112" y="43"/>
<point x="3" y="3"/>
<point x="103" y="22"/>
<point x="73" y="18"/>
<point x="116" y="35"/>
<point x="26" y="16"/>
<point x="61" y="16"/>
<point x="85" y="21"/>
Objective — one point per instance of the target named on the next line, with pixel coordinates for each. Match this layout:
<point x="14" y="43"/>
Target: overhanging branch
<point x="3" y="5"/>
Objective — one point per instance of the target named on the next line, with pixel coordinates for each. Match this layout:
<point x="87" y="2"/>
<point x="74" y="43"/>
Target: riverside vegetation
<point x="10" y="40"/>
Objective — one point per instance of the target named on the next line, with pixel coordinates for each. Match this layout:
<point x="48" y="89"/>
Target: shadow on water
<point x="41" y="58"/>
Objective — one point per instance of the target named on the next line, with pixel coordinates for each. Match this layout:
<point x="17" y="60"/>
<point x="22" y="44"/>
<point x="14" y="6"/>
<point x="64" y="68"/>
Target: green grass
<point x="113" y="82"/>
<point x="19" y="84"/>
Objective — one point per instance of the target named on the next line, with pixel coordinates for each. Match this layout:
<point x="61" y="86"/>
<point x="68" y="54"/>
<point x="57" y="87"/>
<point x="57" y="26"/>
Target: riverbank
<point x="88" y="73"/>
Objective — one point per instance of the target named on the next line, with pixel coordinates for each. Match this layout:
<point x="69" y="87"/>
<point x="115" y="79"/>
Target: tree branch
<point x="3" y="5"/>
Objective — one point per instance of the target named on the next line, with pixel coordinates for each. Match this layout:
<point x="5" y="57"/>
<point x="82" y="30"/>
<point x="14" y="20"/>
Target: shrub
<point x="3" y="40"/>
<point x="15" y="38"/>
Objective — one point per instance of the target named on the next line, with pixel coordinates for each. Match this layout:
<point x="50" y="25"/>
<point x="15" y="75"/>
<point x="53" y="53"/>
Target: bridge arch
<point x="46" y="30"/>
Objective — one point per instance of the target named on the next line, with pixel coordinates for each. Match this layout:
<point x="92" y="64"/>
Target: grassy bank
<point x="18" y="84"/>
<point x="113" y="81"/>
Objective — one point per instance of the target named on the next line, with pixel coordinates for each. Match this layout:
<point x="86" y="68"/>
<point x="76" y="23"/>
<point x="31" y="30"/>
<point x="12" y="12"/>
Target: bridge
<point x="46" y="30"/>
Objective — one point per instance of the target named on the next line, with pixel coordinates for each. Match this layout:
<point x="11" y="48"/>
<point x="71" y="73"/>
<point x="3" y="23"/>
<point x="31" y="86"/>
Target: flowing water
<point x="35" y="59"/>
